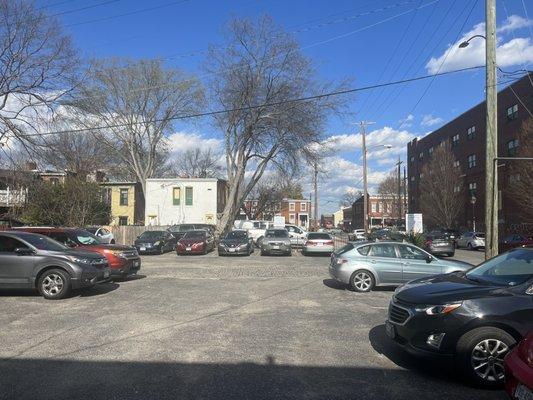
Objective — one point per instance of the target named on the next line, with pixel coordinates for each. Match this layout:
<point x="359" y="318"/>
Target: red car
<point x="195" y="242"/>
<point x="123" y="260"/>
<point x="514" y="240"/>
<point x="519" y="370"/>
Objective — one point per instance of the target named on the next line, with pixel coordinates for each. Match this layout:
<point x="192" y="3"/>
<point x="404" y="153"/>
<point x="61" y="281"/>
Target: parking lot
<point x="215" y="327"/>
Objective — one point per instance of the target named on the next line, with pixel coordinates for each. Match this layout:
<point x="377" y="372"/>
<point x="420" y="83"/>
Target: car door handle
<point x="373" y="261"/>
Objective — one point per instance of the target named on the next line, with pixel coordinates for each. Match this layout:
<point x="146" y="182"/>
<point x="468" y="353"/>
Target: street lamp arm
<point x="467" y="42"/>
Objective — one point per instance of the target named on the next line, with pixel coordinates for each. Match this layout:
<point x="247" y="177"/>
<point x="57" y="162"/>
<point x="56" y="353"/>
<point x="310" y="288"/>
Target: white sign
<point x="279" y="221"/>
<point x="413" y="223"/>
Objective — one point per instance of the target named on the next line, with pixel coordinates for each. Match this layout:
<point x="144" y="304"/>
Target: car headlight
<point x="242" y="246"/>
<point x="87" y="261"/>
<point x="157" y="243"/>
<point x="440" y="309"/>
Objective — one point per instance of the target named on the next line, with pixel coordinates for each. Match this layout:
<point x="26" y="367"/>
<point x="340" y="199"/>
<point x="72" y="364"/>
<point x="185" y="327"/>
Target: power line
<point x="142" y="10"/>
<point x="55" y="4"/>
<point x="85" y="8"/>
<point x="272" y="104"/>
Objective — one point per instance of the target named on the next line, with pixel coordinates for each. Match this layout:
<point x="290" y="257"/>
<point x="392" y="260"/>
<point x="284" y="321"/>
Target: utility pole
<point x="404" y="191"/>
<point x="491" y="178"/>
<point x="399" y="191"/>
<point x="365" y="183"/>
<point x="315" y="185"/>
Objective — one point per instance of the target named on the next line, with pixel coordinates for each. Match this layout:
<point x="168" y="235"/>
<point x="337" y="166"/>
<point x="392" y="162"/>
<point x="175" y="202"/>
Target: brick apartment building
<point x="379" y="212"/>
<point x="295" y="211"/>
<point x="466" y="136"/>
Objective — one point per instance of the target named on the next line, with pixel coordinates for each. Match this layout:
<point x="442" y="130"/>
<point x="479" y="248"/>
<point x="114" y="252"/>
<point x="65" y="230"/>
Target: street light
<point x="473" y="201"/>
<point x="491" y="152"/>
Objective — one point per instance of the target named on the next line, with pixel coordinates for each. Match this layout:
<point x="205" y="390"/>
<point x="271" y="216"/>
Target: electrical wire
<point x="85" y="8"/>
<point x="246" y="108"/>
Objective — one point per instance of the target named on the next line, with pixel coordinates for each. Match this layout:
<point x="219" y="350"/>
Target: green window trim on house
<point x="124" y="194"/>
<point x="188" y="196"/>
<point x="176" y="196"/>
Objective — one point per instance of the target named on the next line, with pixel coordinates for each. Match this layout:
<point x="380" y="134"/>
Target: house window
<point x="176" y="196"/>
<point x="374" y="207"/>
<point x="471" y="161"/>
<point x="455" y="140"/>
<point x="124" y="197"/>
<point x="123" y="221"/>
<point x="291" y="206"/>
<point x="303" y="206"/>
<point x="188" y="196"/>
<point x="456" y="189"/>
<point x="292" y="218"/>
<point x="421" y="156"/>
<point x="430" y="151"/>
<point x="456" y="164"/>
<point x="106" y="196"/>
<point x="412" y="159"/>
<point x="514" y="178"/>
<point x="472" y="188"/>
<point x="512" y="112"/>
<point x="471" y="132"/>
<point x="412" y="178"/>
<point x="512" y="147"/>
<point x="421" y="175"/>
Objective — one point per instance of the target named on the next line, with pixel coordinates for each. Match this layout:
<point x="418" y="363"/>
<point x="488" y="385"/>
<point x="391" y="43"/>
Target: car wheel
<point x="259" y="241"/>
<point x="54" y="284"/>
<point x="112" y="241"/>
<point x="362" y="281"/>
<point x="451" y="254"/>
<point x="469" y="246"/>
<point x="262" y="252"/>
<point x="480" y="355"/>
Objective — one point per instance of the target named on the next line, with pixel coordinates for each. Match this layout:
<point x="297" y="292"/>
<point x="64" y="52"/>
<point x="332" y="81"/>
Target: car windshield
<point x="508" y="269"/>
<point x="236" y="235"/>
<point x="86" y="238"/>
<point x="194" y="235"/>
<point x="91" y="230"/>
<point x="277" y="233"/>
<point x="318" y="236"/>
<point x="479" y="235"/>
<point x="43" y="242"/>
<point x="151" y="234"/>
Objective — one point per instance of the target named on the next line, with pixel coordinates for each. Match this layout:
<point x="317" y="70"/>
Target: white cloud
<point x="508" y="53"/>
<point x="407" y="121"/>
<point x="430" y="120"/>
<point x="183" y="141"/>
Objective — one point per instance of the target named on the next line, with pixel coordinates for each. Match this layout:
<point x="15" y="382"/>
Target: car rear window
<point x="363" y="250"/>
<point x="344" y="249"/>
<point x="318" y="236"/>
<point x="277" y="233"/>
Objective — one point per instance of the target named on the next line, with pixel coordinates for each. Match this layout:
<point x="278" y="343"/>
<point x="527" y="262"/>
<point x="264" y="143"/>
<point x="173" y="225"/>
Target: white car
<point x="358" y="234"/>
<point x="471" y="240"/>
<point x="256" y="229"/>
<point x="297" y="234"/>
<point x="103" y="234"/>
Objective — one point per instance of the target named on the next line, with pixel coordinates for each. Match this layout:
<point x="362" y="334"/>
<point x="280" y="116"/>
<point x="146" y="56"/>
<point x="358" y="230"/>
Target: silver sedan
<point x="366" y="265"/>
<point x="276" y="241"/>
<point x="318" y="242"/>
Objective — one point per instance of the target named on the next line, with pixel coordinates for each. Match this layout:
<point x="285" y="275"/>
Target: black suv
<point x="475" y="317"/>
<point x="30" y="260"/>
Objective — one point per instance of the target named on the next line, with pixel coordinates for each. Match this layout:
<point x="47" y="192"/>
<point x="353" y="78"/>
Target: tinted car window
<point x="318" y="236"/>
<point x="62" y="237"/>
<point x="9" y="244"/>
<point x="411" y="253"/>
<point x="363" y="250"/>
<point x="151" y="234"/>
<point x="344" y="249"/>
<point x="277" y="233"/>
<point x="382" y="250"/>
<point x="508" y="269"/>
<point x="43" y="243"/>
<point x="236" y="235"/>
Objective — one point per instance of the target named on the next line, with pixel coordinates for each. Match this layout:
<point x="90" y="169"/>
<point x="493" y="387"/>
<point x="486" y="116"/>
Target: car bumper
<point x="340" y="274"/>
<point x="148" y="250"/>
<point x="517" y="373"/>
<point x="441" y="249"/>
<point x="232" y="251"/>
<point x="283" y="249"/>
<point x="191" y="251"/>
<point x="91" y="278"/>
<point x="318" y="249"/>
<point x="126" y="267"/>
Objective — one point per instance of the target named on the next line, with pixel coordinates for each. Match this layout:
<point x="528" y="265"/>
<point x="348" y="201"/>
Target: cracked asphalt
<point x="209" y="327"/>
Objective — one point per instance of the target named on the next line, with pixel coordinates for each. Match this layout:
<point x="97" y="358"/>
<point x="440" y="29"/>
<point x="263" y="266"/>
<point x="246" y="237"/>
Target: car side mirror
<point x="429" y="259"/>
<point x="529" y="290"/>
<point x="23" y="251"/>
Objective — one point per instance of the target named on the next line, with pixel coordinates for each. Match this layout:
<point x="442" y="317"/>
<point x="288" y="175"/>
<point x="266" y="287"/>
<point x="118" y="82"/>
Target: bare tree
<point x="259" y="71"/>
<point x="37" y="66"/>
<point x="197" y="163"/>
<point x="350" y="197"/>
<point x="388" y="192"/>
<point x="136" y="102"/>
<point x="521" y="172"/>
<point x="441" y="187"/>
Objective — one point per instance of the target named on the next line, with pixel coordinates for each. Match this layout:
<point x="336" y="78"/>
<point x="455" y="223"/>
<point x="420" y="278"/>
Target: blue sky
<point x="367" y="41"/>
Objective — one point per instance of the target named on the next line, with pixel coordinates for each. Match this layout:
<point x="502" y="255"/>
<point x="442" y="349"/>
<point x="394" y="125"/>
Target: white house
<point x="172" y="201"/>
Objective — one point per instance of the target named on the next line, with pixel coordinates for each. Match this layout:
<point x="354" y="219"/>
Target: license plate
<point x="231" y="250"/>
<point x="523" y="393"/>
<point x="319" y="244"/>
<point x="106" y="274"/>
<point x="142" y="248"/>
<point x="188" y="249"/>
<point x="275" y="247"/>
<point x="390" y="330"/>
<point x="137" y="263"/>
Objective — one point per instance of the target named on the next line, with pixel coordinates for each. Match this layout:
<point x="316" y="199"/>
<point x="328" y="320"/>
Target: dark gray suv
<point x="29" y="260"/>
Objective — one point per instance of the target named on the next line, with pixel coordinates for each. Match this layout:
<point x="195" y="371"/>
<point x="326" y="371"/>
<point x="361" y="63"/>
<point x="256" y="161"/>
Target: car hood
<point x="461" y="265"/>
<point x="115" y="247"/>
<point x="445" y="288"/>
<point x="233" y="242"/>
<point x="76" y="253"/>
<point x="188" y="242"/>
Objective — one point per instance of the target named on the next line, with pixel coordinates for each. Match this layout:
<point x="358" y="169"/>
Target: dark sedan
<point x="155" y="242"/>
<point x="236" y="242"/>
<point x="439" y="244"/>
<point x="512" y="241"/>
<point x="32" y="261"/>
<point x="474" y="318"/>
<point x="196" y="242"/>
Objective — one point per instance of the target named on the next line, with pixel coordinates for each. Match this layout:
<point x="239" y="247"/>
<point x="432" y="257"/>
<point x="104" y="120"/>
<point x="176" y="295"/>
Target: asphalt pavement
<point x="209" y="327"/>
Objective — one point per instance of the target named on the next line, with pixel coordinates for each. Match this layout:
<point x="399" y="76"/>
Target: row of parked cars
<point x="472" y="315"/>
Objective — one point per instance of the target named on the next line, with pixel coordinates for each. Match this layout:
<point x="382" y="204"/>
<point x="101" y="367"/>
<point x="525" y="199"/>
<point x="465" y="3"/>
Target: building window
<point x="124" y="197"/>
<point x="471" y="132"/>
<point x="374" y="207"/>
<point x="255" y="203"/>
<point x="412" y="159"/>
<point x="443" y="143"/>
<point x="176" y="196"/>
<point x="421" y="175"/>
<point x="303" y="206"/>
<point x="123" y="221"/>
<point x="291" y="206"/>
<point x="514" y="178"/>
<point x="472" y="188"/>
<point x="512" y="112"/>
<point x="292" y="218"/>
<point x="471" y="161"/>
<point x="106" y="196"/>
<point x="456" y="164"/>
<point x="457" y="189"/>
<point x="188" y="196"/>
<point x="430" y="151"/>
<point x="421" y="156"/>
<point x="412" y="178"/>
<point x="455" y="140"/>
<point x="512" y="147"/>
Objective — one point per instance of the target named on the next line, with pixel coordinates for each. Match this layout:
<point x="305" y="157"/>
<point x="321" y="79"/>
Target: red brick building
<point x="295" y="211"/>
<point x="379" y="212"/>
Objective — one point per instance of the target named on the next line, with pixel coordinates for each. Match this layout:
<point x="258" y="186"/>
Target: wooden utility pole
<point x="315" y="187"/>
<point x="404" y="192"/>
<point x="399" y="201"/>
<point x="491" y="177"/>
<point x="365" y="183"/>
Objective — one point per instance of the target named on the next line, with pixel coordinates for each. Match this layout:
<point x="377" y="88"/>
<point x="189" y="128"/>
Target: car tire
<point x="478" y="341"/>
<point x="259" y="241"/>
<point x="469" y="246"/>
<point x="112" y="241"/>
<point x="262" y="252"/>
<point x="451" y="254"/>
<point x="54" y="284"/>
<point x="362" y="281"/>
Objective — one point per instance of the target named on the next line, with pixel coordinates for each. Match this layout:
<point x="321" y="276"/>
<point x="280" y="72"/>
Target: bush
<point x="418" y="239"/>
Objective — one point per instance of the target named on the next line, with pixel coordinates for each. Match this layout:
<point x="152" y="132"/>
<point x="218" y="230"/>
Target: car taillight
<point x="525" y="350"/>
<point x="429" y="242"/>
<point x="342" y="260"/>
<point x="330" y="242"/>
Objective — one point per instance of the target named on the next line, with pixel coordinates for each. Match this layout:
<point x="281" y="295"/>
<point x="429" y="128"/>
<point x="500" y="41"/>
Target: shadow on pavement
<point x="333" y="284"/>
<point x="97" y="290"/>
<point x="72" y="379"/>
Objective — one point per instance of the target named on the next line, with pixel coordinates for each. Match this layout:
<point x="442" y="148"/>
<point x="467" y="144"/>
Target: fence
<point x="127" y="234"/>
<point x="10" y="197"/>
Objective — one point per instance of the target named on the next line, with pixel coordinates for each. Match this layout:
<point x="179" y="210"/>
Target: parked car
<point x="32" y="261"/>
<point x="155" y="242"/>
<point x="236" y="242"/>
<point x="519" y="370"/>
<point x="366" y="265"/>
<point x="452" y="234"/>
<point x="438" y="243"/>
<point x="103" y="234"/>
<point x="335" y="231"/>
<point x="123" y="260"/>
<point x="276" y="241"/>
<point x="512" y="241"/>
<point x="357" y="234"/>
<point x="196" y="242"/>
<point x="297" y="234"/>
<point x="474" y="317"/>
<point x="471" y="240"/>
<point x="318" y="243"/>
<point x="178" y="231"/>
<point x="256" y="229"/>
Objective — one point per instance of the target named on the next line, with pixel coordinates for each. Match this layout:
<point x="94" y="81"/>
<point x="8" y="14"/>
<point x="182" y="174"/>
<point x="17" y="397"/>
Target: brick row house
<point x="466" y="137"/>
<point x="295" y="211"/>
<point x="380" y="212"/>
